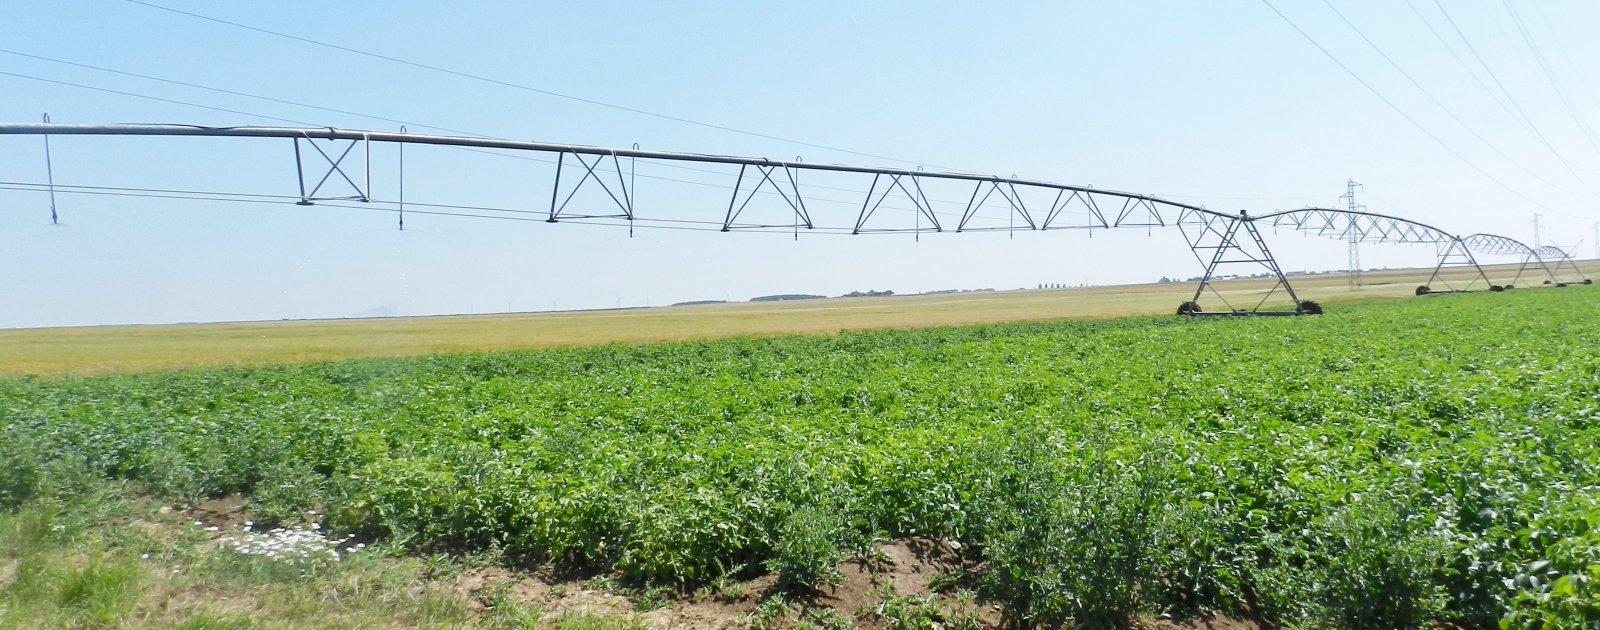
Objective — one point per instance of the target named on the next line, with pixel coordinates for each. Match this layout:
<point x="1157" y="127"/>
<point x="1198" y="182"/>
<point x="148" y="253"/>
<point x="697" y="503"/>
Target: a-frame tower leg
<point x="1218" y="240"/>
<point x="1456" y="254"/>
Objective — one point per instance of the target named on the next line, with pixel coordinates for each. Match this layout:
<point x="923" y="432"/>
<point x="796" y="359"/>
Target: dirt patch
<point x="179" y="603"/>
<point x="904" y="568"/>
<point x="913" y="576"/>
<point x="483" y="589"/>
<point x="708" y="615"/>
<point x="1200" y="623"/>
<point x="901" y="569"/>
<point x="477" y="586"/>
<point x="8" y="573"/>
<point x="225" y="513"/>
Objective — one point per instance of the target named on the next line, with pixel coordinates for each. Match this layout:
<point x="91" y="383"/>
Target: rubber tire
<point x="1310" y="307"/>
<point x="1188" y="308"/>
<point x="1423" y="290"/>
<point x="1495" y="288"/>
<point x="1510" y="287"/>
<point x="1588" y="280"/>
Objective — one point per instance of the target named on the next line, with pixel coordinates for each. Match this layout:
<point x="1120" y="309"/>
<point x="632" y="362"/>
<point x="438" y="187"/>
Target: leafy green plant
<point x="1433" y="454"/>
<point x="806" y="553"/>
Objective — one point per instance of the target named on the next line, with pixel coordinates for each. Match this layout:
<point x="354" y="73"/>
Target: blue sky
<point x="1218" y="103"/>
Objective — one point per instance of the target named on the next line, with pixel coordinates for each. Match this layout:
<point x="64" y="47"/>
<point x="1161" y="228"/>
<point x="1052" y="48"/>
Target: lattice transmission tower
<point x="1355" y="234"/>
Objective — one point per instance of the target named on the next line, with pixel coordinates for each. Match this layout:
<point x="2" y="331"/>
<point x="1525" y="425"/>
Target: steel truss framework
<point x="1563" y="260"/>
<point x="335" y="166"/>
<point x="1455" y="253"/>
<point x="1217" y="239"/>
<point x="1221" y="240"/>
<point x="1356" y="227"/>
<point x="1496" y="245"/>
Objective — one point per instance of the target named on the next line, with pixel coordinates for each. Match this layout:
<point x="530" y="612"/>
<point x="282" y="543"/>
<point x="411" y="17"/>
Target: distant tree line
<point x="948" y="291"/>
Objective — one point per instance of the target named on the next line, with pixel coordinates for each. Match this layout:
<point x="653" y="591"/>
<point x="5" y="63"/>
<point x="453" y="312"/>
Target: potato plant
<point x="1386" y="465"/>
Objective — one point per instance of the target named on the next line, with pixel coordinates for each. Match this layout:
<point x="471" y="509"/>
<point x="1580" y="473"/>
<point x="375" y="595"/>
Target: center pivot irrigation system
<point x="330" y="168"/>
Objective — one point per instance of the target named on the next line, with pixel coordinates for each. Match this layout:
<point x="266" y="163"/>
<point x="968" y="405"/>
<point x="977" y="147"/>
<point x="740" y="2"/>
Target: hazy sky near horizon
<point x="1218" y="103"/>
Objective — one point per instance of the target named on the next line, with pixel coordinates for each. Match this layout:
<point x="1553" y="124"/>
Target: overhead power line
<point x="536" y="90"/>
<point x="1513" y="100"/>
<point x="1550" y="75"/>
<point x="154" y="98"/>
<point x="1402" y="112"/>
<point x="410" y="123"/>
<point x="1440" y="104"/>
<point x="233" y="93"/>
<point x="471" y="133"/>
<point x="377" y="205"/>
<point x="466" y="149"/>
<point x="1555" y="38"/>
<point x="1493" y="96"/>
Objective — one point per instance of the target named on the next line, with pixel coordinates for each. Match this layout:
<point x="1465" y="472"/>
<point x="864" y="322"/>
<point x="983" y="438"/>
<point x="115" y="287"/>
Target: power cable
<point x="482" y="135"/>
<point x="1401" y="112"/>
<point x="469" y="149"/>
<point x="1524" y="115"/>
<point x="173" y="193"/>
<point x="1463" y="63"/>
<point x="401" y="122"/>
<point x="347" y="113"/>
<point x="312" y="124"/>
<point x="155" y="98"/>
<point x="1470" y="129"/>
<point x="1555" y="82"/>
<point x="529" y="88"/>
<point x="374" y="205"/>
<point x="1544" y="18"/>
<point x="237" y="93"/>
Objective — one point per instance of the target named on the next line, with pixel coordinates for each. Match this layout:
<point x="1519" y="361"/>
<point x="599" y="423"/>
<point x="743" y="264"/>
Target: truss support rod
<point x="50" y="176"/>
<point x="861" y="218"/>
<point x="555" y="189"/>
<point x="632" y="187"/>
<point x="1272" y="263"/>
<point x="402" y="183"/>
<point x="300" y="174"/>
<point x="1550" y="273"/>
<point x="1222" y="247"/>
<point x="1564" y="259"/>
<point x="1530" y="259"/>
<point x="1454" y="245"/>
<point x="800" y="211"/>
<point x="727" y="220"/>
<point x="622" y="185"/>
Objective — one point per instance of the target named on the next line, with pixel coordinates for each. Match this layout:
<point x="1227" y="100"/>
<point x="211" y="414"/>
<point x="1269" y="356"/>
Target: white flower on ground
<point x="294" y="545"/>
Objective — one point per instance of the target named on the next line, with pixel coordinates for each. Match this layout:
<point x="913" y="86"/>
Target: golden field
<point x="107" y="349"/>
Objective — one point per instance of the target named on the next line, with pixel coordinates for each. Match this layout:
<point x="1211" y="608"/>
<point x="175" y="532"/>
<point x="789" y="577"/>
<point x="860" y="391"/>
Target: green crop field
<point x="1392" y="464"/>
